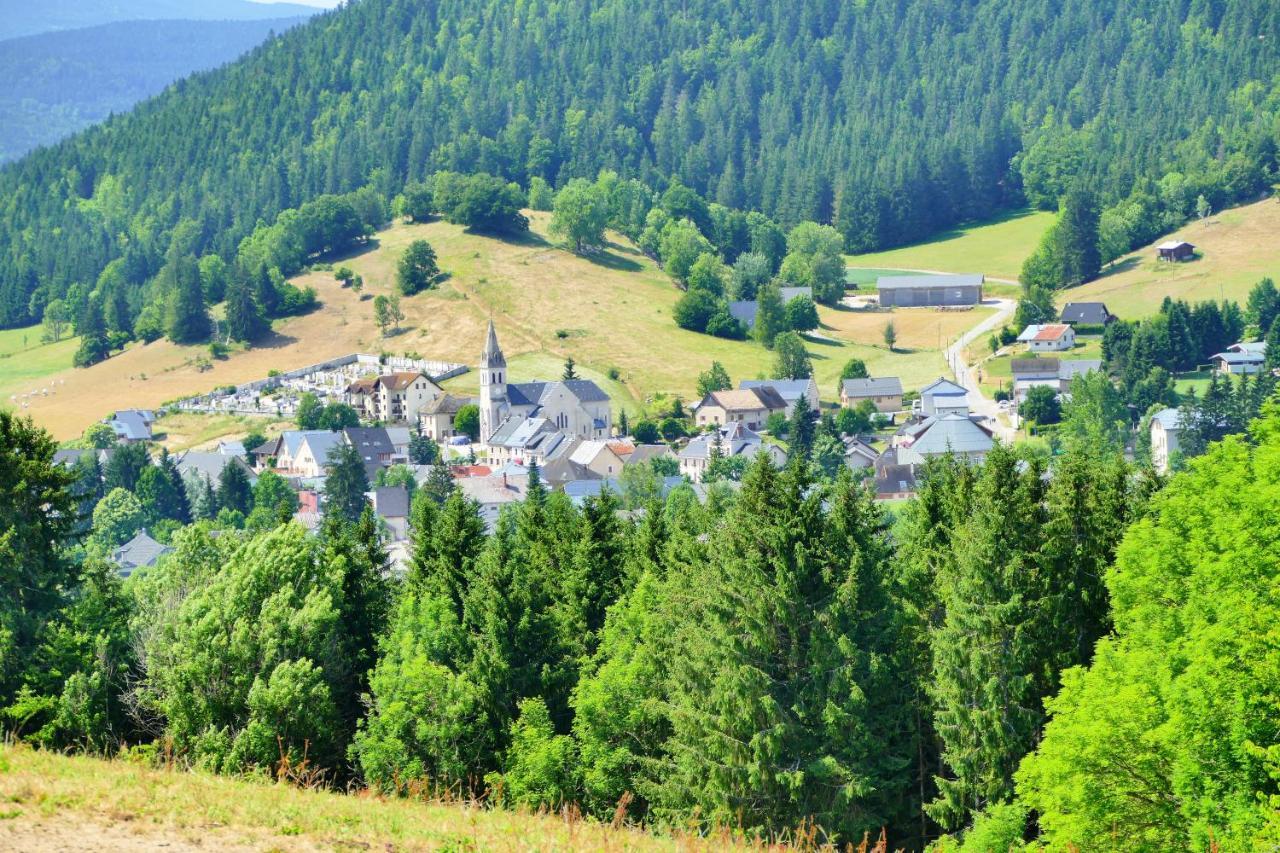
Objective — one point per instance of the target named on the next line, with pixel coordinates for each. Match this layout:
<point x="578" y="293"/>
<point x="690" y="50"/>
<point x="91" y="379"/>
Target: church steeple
<point x="493" y="385"/>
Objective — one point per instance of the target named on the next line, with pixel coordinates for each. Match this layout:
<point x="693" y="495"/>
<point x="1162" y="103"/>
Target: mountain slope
<point x="890" y="119"/>
<point x="23" y="17"/>
<point x="62" y="82"/>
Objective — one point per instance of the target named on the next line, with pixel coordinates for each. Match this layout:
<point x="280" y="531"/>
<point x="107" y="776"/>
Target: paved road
<point x="966" y="376"/>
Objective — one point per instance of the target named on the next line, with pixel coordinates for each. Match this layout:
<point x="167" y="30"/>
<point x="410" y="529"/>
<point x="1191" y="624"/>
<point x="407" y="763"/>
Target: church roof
<point x="492" y="355"/>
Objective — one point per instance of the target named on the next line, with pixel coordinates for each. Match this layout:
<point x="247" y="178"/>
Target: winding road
<point x="966" y="376"/>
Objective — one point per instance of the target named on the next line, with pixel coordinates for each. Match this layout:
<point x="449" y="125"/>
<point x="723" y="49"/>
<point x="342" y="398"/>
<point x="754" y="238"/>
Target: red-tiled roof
<point x="1051" y="332"/>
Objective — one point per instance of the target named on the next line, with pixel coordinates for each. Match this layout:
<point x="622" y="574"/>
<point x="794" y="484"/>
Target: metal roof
<point x="897" y="282"/>
<point x="954" y="433"/>
<point x="884" y="386"/>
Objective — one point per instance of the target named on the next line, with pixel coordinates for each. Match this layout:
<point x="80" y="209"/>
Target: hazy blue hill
<point x="28" y="17"/>
<point x="60" y="82"/>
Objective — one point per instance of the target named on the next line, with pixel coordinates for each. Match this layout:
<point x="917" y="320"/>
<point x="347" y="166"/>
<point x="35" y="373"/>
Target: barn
<point x="913" y="290"/>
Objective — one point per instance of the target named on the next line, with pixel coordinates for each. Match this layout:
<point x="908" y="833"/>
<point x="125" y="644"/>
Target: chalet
<point x="733" y="439"/>
<point x="1086" y="314"/>
<point x="526" y="441"/>
<point x="790" y="390"/>
<point x="392" y="397"/>
<point x="1241" y="358"/>
<point x="140" y="552"/>
<point x="1166" y="427"/>
<point x="1051" y="337"/>
<point x="885" y="392"/>
<point x="921" y="290"/>
<point x="305" y="453"/>
<point x="1175" y="250"/>
<point x="944" y="397"/>
<point x="132" y="425"/>
<point x="750" y="407"/>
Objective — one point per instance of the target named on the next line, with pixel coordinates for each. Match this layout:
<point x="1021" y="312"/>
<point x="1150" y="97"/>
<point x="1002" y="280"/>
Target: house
<point x="70" y="458"/>
<point x="938" y="436"/>
<point x="1086" y="314"/>
<point x="1166" y="427"/>
<point x="193" y="463"/>
<point x="232" y="448"/>
<point x="1050" y="337"/>
<point x="1249" y="347"/>
<point x="578" y="491"/>
<point x="790" y="390"/>
<point x="1239" y="362"/>
<point x="1175" y="250"/>
<point x="140" y="552"/>
<point x="943" y="397"/>
<point x="437" y="417"/>
<point x="905" y="291"/>
<point x="1049" y="372"/>
<point x="525" y="441"/>
<point x="391" y="504"/>
<point x="492" y="492"/>
<point x="895" y="482"/>
<point x="745" y="311"/>
<point x="132" y="425"/>
<point x="598" y="457"/>
<point x="859" y="454"/>
<point x="305" y="453"/>
<point x="576" y="406"/>
<point x="751" y="407"/>
<point x="734" y="439"/>
<point x="392" y="397"/>
<point x="374" y="446"/>
<point x="885" y="392"/>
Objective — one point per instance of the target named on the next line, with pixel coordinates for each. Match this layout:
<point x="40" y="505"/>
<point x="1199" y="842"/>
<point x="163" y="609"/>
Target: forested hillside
<point x="887" y="119"/>
<point x="58" y="83"/>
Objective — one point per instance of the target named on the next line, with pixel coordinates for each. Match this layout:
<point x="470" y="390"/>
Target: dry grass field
<point x="50" y="802"/>
<point x="1237" y="248"/>
<point x="611" y="313"/>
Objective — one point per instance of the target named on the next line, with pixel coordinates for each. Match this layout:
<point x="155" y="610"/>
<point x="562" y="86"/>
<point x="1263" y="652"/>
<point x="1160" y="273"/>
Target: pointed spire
<point x="492" y="355"/>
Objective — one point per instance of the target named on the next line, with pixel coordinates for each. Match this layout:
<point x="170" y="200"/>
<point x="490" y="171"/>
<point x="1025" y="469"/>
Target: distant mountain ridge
<point x="60" y="82"/>
<point x="24" y="17"/>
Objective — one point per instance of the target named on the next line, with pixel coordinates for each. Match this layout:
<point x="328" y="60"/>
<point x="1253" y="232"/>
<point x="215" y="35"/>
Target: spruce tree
<point x="244" y="316"/>
<point x="771" y="318"/>
<point x="234" y="491"/>
<point x="188" y="318"/>
<point x="1078" y="239"/>
<point x="346" y="484"/>
<point x="92" y="329"/>
<point x="265" y="292"/>
<point x="447" y="541"/>
<point x="800" y="431"/>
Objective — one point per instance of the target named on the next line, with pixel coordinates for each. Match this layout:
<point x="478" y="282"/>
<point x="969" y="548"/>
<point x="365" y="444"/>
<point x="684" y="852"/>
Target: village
<point x="567" y="433"/>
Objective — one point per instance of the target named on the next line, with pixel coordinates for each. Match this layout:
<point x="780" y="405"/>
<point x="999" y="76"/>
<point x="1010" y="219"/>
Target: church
<point x="519" y="420"/>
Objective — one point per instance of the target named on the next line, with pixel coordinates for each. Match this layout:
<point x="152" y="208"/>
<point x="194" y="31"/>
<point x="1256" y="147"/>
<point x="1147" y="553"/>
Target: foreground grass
<point x="995" y="247"/>
<point x="1237" y="248"/>
<point x="42" y="792"/>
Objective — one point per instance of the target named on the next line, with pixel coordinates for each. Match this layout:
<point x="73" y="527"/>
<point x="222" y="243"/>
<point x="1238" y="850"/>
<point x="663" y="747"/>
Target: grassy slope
<point x="45" y="794"/>
<point x="614" y="309"/>
<point x="24" y="360"/>
<point x="1238" y="246"/>
<point x="996" y="247"/>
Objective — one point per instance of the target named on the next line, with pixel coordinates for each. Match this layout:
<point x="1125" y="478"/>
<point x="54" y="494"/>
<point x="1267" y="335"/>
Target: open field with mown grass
<point x="1237" y="248"/>
<point x="51" y="802"/>
<point x="25" y="360"/>
<point x="191" y="431"/>
<point x="995" y="247"/>
<point x="608" y="311"/>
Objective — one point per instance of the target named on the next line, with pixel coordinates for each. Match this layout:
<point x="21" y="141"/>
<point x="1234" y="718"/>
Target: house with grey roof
<point x="942" y="397"/>
<point x="733" y="439"/>
<point x="374" y="446"/>
<point x="954" y="434"/>
<point x="1166" y="429"/>
<point x="493" y="492"/>
<point x="1052" y="373"/>
<point x="391" y="505"/>
<point x="132" y="425"/>
<point x="907" y="291"/>
<point x="749" y="406"/>
<point x="305" y="453"/>
<point x="140" y="552"/>
<point x="1240" y="361"/>
<point x="790" y="390"/>
<point x="1086" y="314"/>
<point x="194" y="463"/>
<point x="645" y="452"/>
<point x="745" y="311"/>
<point x="885" y="392"/>
<point x="436" y="419"/>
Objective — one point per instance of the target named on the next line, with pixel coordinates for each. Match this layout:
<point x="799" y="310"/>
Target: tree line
<point x="886" y="122"/>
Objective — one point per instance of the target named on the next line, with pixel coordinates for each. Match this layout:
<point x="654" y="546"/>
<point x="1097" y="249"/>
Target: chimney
<point x="504" y="480"/>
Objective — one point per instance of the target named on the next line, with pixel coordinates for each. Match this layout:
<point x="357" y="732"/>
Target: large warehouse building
<point x="912" y="290"/>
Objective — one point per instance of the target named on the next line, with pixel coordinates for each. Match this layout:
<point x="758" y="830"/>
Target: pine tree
<point x="1078" y="239"/>
<point x="770" y="314"/>
<point x="234" y="491"/>
<point x="800" y="431"/>
<point x="346" y="484"/>
<point x="188" y="318"/>
<point x="93" y="335"/>
<point x="447" y="541"/>
<point x="245" y="321"/>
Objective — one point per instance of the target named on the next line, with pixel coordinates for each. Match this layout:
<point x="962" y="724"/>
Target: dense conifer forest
<point x="887" y="119"/>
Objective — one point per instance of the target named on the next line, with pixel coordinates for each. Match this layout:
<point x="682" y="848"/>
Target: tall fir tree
<point x="188" y="320"/>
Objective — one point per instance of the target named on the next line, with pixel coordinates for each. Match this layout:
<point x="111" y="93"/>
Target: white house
<point x="1248" y="357"/>
<point x="1050" y="337"/>
<point x="733" y="439"/>
<point x="790" y="390"/>
<point x="944" y="397"/>
<point x="392" y="397"/>
<point x="1166" y="427"/>
<point x="305" y="453"/>
<point x="953" y="433"/>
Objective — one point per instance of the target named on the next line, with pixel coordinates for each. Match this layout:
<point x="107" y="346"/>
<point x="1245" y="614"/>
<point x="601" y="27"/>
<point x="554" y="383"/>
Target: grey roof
<point x="493" y="489"/>
<point x="579" y="490"/>
<point x="371" y="443"/>
<point x="735" y="440"/>
<point x="789" y="293"/>
<point x="321" y="441"/>
<point x="744" y="311"/>
<point x="1239" y="357"/>
<point x="1258" y="347"/>
<point x="895" y="479"/>
<point x="1170" y="419"/>
<point x="645" y="452"/>
<point x="132" y="424"/>
<point x="231" y="448"/>
<point x="208" y="465"/>
<point x="69" y="458"/>
<point x="897" y="282"/>
<point x="943" y="388"/>
<point x="492" y="355"/>
<point x="139" y="552"/>
<point x="1035" y="366"/>
<point x="1088" y="313"/>
<point x="519" y="432"/>
<point x="532" y="393"/>
<point x="884" y="386"/>
<point x="391" y="501"/>
<point x="1072" y="368"/>
<point x="788" y="389"/>
<point x="955" y="433"/>
<point x="445" y="404"/>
